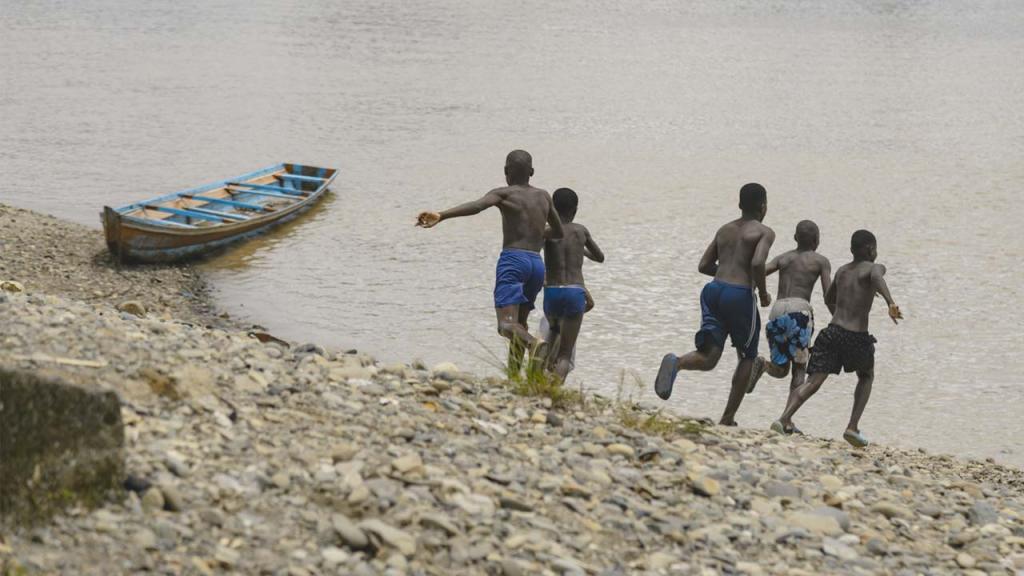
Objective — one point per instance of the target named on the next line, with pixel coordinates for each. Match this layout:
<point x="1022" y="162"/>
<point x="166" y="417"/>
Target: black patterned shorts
<point x="838" y="348"/>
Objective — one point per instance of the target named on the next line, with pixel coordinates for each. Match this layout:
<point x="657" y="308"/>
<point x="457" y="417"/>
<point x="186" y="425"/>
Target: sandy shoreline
<point x="262" y="458"/>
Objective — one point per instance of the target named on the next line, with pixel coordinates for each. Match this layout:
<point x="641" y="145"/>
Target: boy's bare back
<point x="798" y="271"/>
<point x="563" y="259"/>
<point x="854" y="293"/>
<point x="736" y="244"/>
<point x="524" y="212"/>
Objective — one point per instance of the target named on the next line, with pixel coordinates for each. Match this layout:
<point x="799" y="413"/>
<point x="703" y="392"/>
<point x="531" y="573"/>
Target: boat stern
<point x="112" y="229"/>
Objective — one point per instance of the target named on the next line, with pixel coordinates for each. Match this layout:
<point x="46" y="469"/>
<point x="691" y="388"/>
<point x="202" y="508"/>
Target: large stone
<point x="783" y="490"/>
<point x="842" y="517"/>
<point x="446" y="371"/>
<point x="132" y="307"/>
<point x="61" y="443"/>
<point x="350" y="534"/>
<point x="816" y="523"/>
<point x="981" y="513"/>
<point x="390" y="536"/>
<point x="11" y="286"/>
<point x="890" y="509"/>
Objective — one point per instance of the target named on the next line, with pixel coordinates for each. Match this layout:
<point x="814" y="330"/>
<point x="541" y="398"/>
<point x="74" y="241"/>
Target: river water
<point x="900" y="116"/>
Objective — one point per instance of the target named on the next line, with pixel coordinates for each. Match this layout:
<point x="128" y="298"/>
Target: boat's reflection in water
<point x="240" y="255"/>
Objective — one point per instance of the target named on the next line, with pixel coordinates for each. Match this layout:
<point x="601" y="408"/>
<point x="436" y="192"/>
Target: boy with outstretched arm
<point x="565" y="296"/>
<point x="736" y="258"/>
<point x="845" y="343"/>
<point x="520" y="271"/>
<point x="791" y="321"/>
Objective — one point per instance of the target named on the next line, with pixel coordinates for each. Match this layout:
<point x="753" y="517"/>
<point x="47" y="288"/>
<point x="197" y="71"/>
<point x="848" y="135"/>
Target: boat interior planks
<point x="197" y="220"/>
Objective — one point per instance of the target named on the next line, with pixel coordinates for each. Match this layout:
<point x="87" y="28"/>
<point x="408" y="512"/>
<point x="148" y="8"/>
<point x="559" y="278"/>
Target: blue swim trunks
<point x="564" y="301"/>
<point x="518" y="278"/>
<point x="729" y="309"/>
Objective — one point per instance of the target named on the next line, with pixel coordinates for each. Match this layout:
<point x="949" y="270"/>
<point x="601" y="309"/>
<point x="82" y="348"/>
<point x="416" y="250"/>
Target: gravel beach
<point x="279" y="458"/>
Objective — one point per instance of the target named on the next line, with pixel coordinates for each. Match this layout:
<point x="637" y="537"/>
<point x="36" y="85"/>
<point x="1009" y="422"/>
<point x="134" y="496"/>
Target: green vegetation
<point x="534" y="381"/>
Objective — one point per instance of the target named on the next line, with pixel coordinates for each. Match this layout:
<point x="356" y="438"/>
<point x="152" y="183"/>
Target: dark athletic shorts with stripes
<point x="729" y="310"/>
<point x="838" y="348"/>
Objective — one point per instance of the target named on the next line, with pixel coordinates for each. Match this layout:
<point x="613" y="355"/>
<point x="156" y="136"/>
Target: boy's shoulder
<point x="861" y="268"/>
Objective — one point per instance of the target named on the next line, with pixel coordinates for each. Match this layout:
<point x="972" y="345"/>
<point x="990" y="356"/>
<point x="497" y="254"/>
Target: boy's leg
<point x="512" y="325"/>
<point x="570" y="330"/>
<point x="703" y="360"/>
<point x="553" y="337"/>
<point x="865" y="378"/>
<point x="776" y="371"/>
<point x="800" y="395"/>
<point x="799" y="375"/>
<point x="740" y="381"/>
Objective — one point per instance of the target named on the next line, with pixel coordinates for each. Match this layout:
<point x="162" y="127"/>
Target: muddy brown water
<point x="900" y="116"/>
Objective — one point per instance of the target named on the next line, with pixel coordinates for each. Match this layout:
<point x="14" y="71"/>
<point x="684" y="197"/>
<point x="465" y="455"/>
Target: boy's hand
<point x="428" y="219"/>
<point x="590" y="301"/>
<point x="766" y="299"/>
<point x="894" y="313"/>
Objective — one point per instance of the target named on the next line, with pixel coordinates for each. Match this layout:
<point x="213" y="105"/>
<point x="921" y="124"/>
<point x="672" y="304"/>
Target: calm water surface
<point x="900" y="116"/>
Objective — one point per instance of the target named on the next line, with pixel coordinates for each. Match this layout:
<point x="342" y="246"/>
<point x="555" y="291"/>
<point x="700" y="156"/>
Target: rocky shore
<point x="261" y="457"/>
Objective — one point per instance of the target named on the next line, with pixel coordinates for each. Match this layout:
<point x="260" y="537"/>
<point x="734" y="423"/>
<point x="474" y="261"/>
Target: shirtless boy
<point x="845" y="343"/>
<point x="791" y="321"/>
<point x="520" y="272"/>
<point x="565" y="297"/>
<point x="736" y="258"/>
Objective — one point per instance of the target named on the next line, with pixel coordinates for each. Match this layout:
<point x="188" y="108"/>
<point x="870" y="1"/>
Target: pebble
<point x="407" y="464"/>
<point x="783" y="490"/>
<point x="351" y="535"/>
<point x="12" y="286"/>
<point x="706" y="486"/>
<point x="621" y="450"/>
<point x="153" y="500"/>
<point x="132" y="307"/>
<point x="816" y="523"/>
<point x="391" y="536"/>
<point x="982" y="513"/>
<point x="890" y="509"/>
<point x="173" y="501"/>
<point x="227" y="557"/>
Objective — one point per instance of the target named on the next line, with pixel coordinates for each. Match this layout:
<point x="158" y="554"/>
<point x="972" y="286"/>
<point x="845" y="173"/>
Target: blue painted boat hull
<point x="194" y="222"/>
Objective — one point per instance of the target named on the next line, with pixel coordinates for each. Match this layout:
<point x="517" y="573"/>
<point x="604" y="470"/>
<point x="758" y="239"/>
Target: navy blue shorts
<point x="564" y="301"/>
<point x="518" y="278"/>
<point x="729" y="310"/>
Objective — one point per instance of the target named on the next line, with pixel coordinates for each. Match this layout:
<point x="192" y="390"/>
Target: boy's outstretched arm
<point x="773" y="266"/>
<point x="709" y="261"/>
<point x="591" y="249"/>
<point x="830" y="297"/>
<point x="757" y="265"/>
<point x="880" y="287"/>
<point x="431" y="219"/>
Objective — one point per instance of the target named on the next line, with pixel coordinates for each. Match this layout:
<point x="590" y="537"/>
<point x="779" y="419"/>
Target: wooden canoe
<point x="195" y="221"/>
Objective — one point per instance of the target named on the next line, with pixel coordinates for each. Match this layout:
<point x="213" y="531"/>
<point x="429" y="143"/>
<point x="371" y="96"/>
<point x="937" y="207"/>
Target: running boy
<point x="791" y="321"/>
<point x="845" y="343"/>
<point x="565" y="297"/>
<point x="520" y="271"/>
<point x="736" y="258"/>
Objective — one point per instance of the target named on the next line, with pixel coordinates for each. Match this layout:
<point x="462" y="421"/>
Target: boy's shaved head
<point x="807" y="234"/>
<point x="518" y="166"/>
